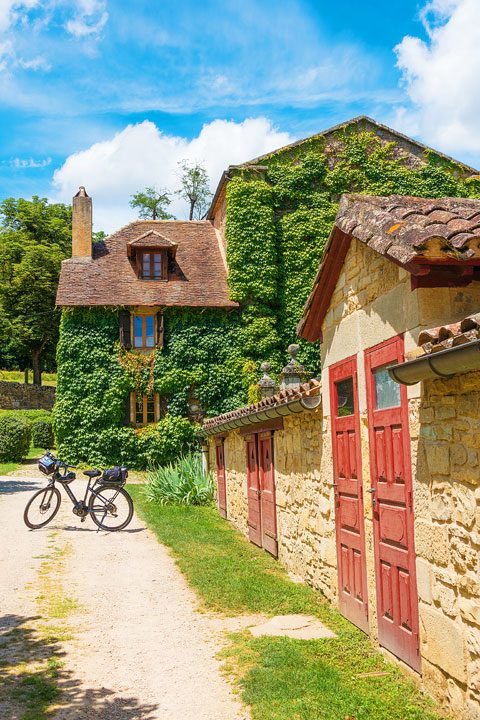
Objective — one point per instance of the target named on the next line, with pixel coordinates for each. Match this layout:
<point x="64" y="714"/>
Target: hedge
<point x="15" y="438"/>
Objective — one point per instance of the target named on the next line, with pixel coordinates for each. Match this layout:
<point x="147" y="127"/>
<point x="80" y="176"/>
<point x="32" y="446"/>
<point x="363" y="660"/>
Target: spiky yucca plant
<point x="182" y="483"/>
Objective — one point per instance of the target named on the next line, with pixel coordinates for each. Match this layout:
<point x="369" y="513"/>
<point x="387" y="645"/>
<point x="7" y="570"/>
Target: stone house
<point x="194" y="325"/>
<point x="128" y="281"/>
<point x="366" y="483"/>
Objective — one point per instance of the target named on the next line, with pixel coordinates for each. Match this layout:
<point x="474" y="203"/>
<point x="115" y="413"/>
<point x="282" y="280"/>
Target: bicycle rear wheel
<point x="42" y="507"/>
<point x="110" y="507"/>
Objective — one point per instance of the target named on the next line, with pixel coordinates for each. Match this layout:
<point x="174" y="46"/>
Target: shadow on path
<point x="32" y="678"/>
<point x="9" y="487"/>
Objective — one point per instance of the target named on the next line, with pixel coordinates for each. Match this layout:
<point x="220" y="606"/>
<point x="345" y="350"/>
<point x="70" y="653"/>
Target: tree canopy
<point x="194" y="188"/>
<point x="35" y="236"/>
<point x="152" y="204"/>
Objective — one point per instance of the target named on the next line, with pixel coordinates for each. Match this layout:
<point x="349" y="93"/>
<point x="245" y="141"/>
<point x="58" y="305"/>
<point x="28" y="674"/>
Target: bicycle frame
<point x="70" y="492"/>
<point x="82" y="503"/>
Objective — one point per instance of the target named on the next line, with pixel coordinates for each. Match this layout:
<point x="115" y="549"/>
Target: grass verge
<point x="281" y="679"/>
<point x="9" y="467"/>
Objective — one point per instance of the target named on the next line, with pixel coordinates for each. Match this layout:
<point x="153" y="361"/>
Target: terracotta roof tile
<point x="409" y="231"/>
<point x="197" y="275"/>
<point x="309" y="389"/>
<point x="450" y="335"/>
<point x="408" y="225"/>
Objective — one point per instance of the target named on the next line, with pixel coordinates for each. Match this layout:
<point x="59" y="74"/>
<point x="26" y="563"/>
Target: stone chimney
<point x="82" y="225"/>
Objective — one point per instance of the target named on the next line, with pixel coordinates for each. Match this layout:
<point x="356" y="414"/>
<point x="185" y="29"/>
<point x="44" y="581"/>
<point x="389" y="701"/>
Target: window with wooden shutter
<point x="125" y="332"/>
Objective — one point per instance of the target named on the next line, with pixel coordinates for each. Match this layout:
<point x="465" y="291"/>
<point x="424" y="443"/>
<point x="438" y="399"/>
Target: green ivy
<point x="284" y="220"/>
<point x="277" y="224"/>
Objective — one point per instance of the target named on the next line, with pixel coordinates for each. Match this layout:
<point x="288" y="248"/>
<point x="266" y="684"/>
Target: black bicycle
<point x="105" y="500"/>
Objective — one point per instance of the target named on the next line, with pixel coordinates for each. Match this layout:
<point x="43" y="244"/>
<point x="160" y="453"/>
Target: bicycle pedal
<point x="83" y="518"/>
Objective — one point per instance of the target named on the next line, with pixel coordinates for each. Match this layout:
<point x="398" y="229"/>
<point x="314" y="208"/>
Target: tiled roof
<point x="410" y="231"/>
<point x="406" y="228"/>
<point x="284" y="397"/>
<point x="152" y="238"/>
<point x="447" y="336"/>
<point x="197" y="275"/>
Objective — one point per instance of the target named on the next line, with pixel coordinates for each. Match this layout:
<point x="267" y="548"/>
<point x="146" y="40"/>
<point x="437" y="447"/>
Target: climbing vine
<point x="277" y="223"/>
<point x="295" y="203"/>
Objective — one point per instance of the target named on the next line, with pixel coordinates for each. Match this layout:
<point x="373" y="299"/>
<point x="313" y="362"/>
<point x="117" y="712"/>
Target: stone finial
<point x="266" y="384"/>
<point x="82" y="225"/>
<point x="293" y="374"/>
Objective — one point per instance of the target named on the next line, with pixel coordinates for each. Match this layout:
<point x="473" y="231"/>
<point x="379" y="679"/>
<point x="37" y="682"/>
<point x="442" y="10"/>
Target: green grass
<point x="281" y="678"/>
<point x="9" y="467"/>
<point x="19" y="376"/>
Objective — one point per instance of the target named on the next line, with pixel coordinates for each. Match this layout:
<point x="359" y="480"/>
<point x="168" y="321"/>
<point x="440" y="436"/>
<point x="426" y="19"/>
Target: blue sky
<point x="112" y="94"/>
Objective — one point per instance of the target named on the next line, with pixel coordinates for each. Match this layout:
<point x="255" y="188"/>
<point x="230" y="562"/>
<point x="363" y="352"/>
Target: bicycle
<point x="105" y="501"/>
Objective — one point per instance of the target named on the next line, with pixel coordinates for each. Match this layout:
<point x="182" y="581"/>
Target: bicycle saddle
<point x="92" y="473"/>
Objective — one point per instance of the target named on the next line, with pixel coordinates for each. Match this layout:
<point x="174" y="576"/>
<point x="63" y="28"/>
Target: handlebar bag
<point x="46" y="465"/>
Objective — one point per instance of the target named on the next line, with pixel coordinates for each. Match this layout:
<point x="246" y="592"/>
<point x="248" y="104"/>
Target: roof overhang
<point x="151" y="240"/>
<point x="290" y="407"/>
<point x="310" y="326"/>
<point x="442" y="364"/>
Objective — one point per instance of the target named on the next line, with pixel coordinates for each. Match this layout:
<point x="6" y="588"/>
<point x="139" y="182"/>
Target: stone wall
<point x="305" y="522"/>
<point x="18" y="396"/>
<point x="447" y="526"/>
<point x="373" y="302"/>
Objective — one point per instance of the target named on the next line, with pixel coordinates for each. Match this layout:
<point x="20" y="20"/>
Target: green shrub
<point x="42" y="434"/>
<point x="164" y="442"/>
<point x="15" y="437"/>
<point x="184" y="483"/>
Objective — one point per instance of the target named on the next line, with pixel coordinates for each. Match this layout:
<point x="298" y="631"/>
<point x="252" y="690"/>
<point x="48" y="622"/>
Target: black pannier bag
<point x="46" y="465"/>
<point x="115" y="475"/>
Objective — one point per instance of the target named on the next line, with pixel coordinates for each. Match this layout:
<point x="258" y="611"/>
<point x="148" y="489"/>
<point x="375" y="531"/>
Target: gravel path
<point x="140" y="650"/>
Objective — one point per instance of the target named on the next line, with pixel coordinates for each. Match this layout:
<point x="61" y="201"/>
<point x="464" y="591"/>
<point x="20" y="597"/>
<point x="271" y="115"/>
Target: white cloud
<point x="90" y="19"/>
<point x="36" y="63"/>
<point x="10" y="11"/>
<point x="141" y="155"/>
<point x="442" y="76"/>
<point x="29" y="163"/>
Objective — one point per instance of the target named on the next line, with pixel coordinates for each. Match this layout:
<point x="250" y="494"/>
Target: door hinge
<point x="410" y="499"/>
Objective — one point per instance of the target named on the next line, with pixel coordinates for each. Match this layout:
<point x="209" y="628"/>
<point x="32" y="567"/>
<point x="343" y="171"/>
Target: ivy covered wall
<point x="201" y="360"/>
<point x="277" y="226"/>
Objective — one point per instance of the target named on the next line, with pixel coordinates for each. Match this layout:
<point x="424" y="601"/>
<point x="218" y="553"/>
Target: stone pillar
<point x="82" y="225"/>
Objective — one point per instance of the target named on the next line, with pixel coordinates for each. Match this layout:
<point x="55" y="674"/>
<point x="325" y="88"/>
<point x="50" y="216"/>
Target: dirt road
<point x="131" y="643"/>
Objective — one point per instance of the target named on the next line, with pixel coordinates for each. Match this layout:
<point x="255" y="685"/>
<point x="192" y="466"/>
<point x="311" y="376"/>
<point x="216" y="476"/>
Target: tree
<point x="35" y="237"/>
<point x="152" y="204"/>
<point x="194" y="188"/>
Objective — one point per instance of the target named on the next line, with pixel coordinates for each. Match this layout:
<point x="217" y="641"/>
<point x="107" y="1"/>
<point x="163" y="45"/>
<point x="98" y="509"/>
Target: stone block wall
<point x="447" y="527"/>
<point x="305" y="520"/>
<point x="18" y="396"/>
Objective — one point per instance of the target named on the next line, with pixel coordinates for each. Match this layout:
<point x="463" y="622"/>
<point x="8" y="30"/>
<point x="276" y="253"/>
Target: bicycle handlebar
<point x="60" y="463"/>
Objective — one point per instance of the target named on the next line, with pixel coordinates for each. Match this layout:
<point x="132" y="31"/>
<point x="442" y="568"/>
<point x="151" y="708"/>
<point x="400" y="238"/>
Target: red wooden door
<point x="267" y="493"/>
<point x="391" y="487"/>
<point x="349" y="520"/>
<point x="221" y="480"/>
<point x="253" y="491"/>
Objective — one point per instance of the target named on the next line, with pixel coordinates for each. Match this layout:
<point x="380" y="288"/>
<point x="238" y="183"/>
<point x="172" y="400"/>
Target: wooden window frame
<point x="164" y="264"/>
<point x="133" y="409"/>
<point x="157" y="337"/>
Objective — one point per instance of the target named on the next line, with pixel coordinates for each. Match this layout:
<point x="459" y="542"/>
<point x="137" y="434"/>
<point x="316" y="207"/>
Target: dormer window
<point x="152" y="265"/>
<point x="150" y="254"/>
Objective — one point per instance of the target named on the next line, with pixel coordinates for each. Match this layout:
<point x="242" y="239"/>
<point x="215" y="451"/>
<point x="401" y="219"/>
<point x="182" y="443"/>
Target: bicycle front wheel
<point x="110" y="507"/>
<point x="42" y="507"/>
